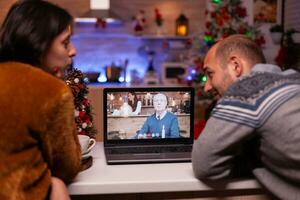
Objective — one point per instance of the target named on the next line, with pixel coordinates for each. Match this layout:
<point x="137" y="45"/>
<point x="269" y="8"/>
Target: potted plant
<point x="276" y="33"/>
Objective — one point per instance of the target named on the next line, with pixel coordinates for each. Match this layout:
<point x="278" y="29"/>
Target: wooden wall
<point x="126" y="9"/>
<point x="75" y="7"/>
<point x="170" y="10"/>
<point x="4" y="7"/>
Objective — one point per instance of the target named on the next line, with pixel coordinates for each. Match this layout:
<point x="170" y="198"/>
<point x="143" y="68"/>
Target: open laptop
<point x="140" y="128"/>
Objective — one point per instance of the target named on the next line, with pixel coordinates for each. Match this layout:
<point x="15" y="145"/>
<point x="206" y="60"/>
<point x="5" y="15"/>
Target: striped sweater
<point x="255" y="128"/>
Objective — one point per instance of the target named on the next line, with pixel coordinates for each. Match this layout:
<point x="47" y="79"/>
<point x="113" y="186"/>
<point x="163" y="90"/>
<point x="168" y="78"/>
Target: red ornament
<point x="208" y="25"/>
<point x="165" y="44"/>
<point x="139" y="22"/>
<point x="158" y="17"/>
<point x="208" y="33"/>
<point x="198" y="128"/>
<point x="189" y="42"/>
<point x="225" y="35"/>
<point x="206" y="12"/>
<point x="220" y="21"/>
<point x="100" y="23"/>
<point x="242" y="30"/>
<point x="86" y="102"/>
<point x="199" y="93"/>
<point x="260" y="41"/>
<point x="82" y="132"/>
<point x="213" y="14"/>
<point x="82" y="114"/>
<point x="241" y="12"/>
<point x="88" y="121"/>
<point x="281" y="56"/>
<point x="81" y="86"/>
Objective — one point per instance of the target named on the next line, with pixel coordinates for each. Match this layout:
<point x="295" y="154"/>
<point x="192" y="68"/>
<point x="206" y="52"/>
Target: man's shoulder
<point x="259" y="83"/>
<point x="252" y="100"/>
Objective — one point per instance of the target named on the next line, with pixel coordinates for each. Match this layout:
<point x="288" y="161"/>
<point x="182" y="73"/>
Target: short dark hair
<point x="29" y="30"/>
<point x="242" y="45"/>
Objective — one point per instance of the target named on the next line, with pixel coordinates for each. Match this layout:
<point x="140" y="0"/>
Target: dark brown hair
<point x="29" y="30"/>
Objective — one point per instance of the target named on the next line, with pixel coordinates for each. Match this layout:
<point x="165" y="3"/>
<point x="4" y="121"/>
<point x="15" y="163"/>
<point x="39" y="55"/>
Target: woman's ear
<point x="236" y="66"/>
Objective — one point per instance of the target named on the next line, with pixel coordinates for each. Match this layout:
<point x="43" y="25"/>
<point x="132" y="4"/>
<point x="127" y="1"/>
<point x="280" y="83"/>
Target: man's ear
<point x="236" y="65"/>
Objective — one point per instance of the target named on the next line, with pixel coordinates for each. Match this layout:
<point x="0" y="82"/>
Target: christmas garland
<point x="83" y="108"/>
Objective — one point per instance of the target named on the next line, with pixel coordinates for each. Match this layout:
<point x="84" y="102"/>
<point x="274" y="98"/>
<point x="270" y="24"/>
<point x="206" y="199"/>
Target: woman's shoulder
<point x="30" y="72"/>
<point x="32" y="78"/>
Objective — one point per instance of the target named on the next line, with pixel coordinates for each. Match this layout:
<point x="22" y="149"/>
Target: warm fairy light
<point x="173" y="103"/>
<point x="148" y="95"/>
<point x="182" y="25"/>
<point x="112" y="97"/>
<point x="182" y="30"/>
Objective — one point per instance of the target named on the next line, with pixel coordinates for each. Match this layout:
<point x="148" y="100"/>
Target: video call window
<point x="148" y="115"/>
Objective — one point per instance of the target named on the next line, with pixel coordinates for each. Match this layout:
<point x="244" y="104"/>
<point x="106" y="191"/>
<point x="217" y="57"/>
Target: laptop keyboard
<point x="149" y="149"/>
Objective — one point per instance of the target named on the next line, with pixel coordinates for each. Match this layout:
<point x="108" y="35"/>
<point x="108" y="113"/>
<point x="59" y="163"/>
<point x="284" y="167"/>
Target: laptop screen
<point x="144" y="114"/>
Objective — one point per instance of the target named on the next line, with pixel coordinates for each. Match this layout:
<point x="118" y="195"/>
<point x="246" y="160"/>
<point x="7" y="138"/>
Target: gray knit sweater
<point x="255" y="127"/>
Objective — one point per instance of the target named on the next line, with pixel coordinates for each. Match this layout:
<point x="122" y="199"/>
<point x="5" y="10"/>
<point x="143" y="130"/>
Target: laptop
<point x="148" y="125"/>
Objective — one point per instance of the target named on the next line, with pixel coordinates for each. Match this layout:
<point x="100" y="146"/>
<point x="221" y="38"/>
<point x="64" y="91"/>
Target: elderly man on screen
<point x="162" y="124"/>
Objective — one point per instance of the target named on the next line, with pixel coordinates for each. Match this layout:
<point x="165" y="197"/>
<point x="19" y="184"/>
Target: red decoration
<point x="139" y="22"/>
<point x="206" y="12"/>
<point x="158" y="17"/>
<point x="198" y="128"/>
<point x="83" y="108"/>
<point x="241" y="12"/>
<point x="208" y="25"/>
<point x="227" y="18"/>
<point x="280" y="58"/>
<point x="260" y="40"/>
<point x="100" y="23"/>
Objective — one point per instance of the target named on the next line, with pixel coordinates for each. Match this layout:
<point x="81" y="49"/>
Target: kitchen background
<point x="122" y="43"/>
<point x="121" y="46"/>
<point x="113" y="42"/>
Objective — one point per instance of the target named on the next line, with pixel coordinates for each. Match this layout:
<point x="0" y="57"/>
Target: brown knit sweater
<point x="37" y="132"/>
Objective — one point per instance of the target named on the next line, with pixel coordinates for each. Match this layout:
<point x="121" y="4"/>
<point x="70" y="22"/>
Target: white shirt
<point x="159" y="117"/>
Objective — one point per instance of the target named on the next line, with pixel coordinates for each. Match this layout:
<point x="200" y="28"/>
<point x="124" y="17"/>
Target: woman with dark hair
<point x="28" y="38"/>
<point x="135" y="103"/>
<point x="132" y="100"/>
<point x="38" y="134"/>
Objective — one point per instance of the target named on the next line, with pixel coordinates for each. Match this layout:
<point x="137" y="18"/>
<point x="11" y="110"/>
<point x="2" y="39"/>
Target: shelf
<point x="163" y="37"/>
<point x="89" y="30"/>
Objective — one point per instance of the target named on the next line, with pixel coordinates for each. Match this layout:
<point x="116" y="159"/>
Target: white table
<point x="147" y="178"/>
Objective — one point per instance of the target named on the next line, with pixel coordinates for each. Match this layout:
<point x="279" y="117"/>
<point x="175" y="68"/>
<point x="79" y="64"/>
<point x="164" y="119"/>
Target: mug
<point x="86" y="143"/>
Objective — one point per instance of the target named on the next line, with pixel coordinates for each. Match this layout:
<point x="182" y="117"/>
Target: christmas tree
<point x="83" y="108"/>
<point x="226" y="18"/>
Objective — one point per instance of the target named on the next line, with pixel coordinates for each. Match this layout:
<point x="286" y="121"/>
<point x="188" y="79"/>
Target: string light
<point x="216" y="1"/>
<point x="203" y="78"/>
